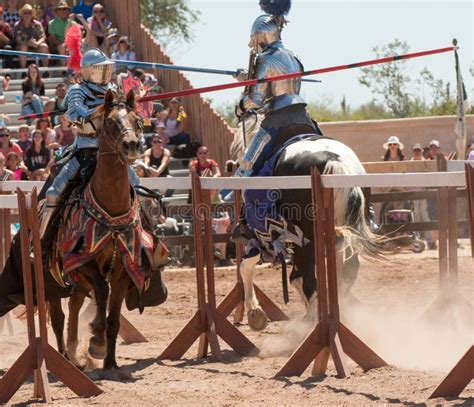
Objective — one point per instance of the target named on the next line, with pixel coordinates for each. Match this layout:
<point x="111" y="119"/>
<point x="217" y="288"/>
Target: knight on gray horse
<point x="286" y="142"/>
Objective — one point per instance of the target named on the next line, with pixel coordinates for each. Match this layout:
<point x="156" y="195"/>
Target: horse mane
<point x="239" y="144"/>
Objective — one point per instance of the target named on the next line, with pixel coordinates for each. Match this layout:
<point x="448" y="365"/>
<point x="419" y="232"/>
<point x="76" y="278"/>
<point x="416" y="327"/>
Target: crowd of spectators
<point x="424" y="210"/>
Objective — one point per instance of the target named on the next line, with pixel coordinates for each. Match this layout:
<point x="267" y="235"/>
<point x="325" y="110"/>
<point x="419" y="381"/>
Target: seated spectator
<point x="4" y="119"/>
<point x="426" y="153"/>
<point x="157" y="158"/>
<point x="4" y="84"/>
<point x="435" y="149"/>
<point x="6" y="40"/>
<point x="14" y="164"/>
<point x="470" y="152"/>
<point x="33" y="90"/>
<point x="44" y="125"/>
<point x="48" y="14"/>
<point x="124" y="53"/>
<point x="141" y="169"/>
<point x="175" y="119"/>
<point x="57" y="29"/>
<point x="149" y="82"/>
<point x="417" y="152"/>
<point x="99" y="26"/>
<point x="11" y="15"/>
<point x="29" y="35"/>
<point x="55" y="103"/>
<point x="84" y="8"/>
<point x="5" y="174"/>
<point x="204" y="166"/>
<point x="38" y="158"/>
<point x="112" y="38"/>
<point x="6" y="144"/>
<point x="393" y="150"/>
<point x="24" y="140"/>
<point x="65" y="132"/>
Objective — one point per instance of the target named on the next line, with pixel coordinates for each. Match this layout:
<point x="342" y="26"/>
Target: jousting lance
<point x="252" y="82"/>
<point x="137" y="64"/>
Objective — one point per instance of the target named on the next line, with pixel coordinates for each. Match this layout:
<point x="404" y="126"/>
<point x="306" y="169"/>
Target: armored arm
<point x="256" y="95"/>
<point x="75" y="105"/>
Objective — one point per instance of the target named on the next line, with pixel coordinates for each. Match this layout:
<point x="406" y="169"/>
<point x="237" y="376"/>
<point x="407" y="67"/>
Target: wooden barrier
<point x="330" y="336"/>
<point x="39" y="356"/>
<point x="458" y="378"/>
<point x="235" y="298"/>
<point x="463" y="372"/>
<point x="127" y="331"/>
<point x="208" y="322"/>
<point x="470" y="196"/>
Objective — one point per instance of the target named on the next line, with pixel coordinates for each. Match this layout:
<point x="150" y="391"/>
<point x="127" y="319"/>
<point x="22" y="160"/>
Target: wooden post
<point x="449" y="297"/>
<point x="330" y="336"/>
<point x="235" y="297"/>
<point x="39" y="356"/>
<point x="469" y="169"/>
<point x="208" y="322"/>
<point x="458" y="378"/>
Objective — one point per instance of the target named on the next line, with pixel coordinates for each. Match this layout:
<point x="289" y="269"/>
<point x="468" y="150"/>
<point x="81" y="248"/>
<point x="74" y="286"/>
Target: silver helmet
<point x="96" y="67"/>
<point x="266" y="29"/>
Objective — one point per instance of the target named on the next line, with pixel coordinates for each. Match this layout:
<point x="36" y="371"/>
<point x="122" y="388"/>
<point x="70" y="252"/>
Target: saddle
<point x="155" y="291"/>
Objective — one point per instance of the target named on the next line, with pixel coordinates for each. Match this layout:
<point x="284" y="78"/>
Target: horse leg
<point x="119" y="289"/>
<point x="57" y="322"/>
<point x="256" y="317"/>
<point x="98" y="342"/>
<point x="75" y="304"/>
<point x="303" y="279"/>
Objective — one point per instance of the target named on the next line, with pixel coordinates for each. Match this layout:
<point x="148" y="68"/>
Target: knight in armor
<point x="81" y="102"/>
<point x="279" y="101"/>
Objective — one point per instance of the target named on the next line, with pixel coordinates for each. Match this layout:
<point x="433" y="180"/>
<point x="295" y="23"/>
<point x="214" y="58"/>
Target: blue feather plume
<point x="275" y="7"/>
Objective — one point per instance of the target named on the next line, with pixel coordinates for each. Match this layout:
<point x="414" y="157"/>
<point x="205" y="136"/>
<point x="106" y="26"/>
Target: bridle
<point x="110" y="142"/>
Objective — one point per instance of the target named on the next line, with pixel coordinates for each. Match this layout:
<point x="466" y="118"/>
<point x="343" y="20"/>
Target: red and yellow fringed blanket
<point x="89" y="229"/>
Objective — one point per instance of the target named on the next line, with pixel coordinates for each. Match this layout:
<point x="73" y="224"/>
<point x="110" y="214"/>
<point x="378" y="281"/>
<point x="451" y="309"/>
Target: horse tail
<point x="351" y="217"/>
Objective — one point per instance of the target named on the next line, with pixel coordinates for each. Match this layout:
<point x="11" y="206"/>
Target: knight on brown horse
<point x="101" y="246"/>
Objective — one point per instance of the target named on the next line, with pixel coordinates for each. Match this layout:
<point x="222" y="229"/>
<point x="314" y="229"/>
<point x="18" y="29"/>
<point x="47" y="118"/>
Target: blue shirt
<point x="83" y="9"/>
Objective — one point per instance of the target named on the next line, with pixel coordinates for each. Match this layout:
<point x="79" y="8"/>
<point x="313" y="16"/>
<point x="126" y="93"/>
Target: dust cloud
<point x="429" y="336"/>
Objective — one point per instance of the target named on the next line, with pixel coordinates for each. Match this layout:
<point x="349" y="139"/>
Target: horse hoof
<point x="96" y="350"/>
<point x="257" y="319"/>
<point x="115" y="374"/>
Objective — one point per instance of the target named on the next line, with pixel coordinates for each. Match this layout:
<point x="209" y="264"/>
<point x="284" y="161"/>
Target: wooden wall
<point x="206" y="125"/>
<point x="366" y="137"/>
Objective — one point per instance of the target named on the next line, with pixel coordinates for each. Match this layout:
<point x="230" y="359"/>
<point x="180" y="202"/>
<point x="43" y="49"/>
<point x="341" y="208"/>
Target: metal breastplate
<point x="274" y="61"/>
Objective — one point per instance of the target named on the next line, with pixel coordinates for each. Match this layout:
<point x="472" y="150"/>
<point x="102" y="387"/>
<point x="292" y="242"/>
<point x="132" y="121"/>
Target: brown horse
<point x="105" y="275"/>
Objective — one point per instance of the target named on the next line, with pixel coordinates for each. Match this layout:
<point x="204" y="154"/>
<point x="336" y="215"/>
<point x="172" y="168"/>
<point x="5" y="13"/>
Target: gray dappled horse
<point x="355" y="237"/>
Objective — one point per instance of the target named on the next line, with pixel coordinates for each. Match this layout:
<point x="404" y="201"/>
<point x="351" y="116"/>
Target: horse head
<point x="122" y="126"/>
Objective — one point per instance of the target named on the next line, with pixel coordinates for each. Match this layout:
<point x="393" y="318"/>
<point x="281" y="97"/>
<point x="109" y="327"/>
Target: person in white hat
<point x="393" y="149"/>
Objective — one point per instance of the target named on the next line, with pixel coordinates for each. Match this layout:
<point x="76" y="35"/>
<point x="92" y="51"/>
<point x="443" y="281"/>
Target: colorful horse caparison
<point x="102" y="243"/>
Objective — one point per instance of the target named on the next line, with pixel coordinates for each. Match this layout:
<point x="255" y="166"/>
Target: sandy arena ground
<point x="393" y="297"/>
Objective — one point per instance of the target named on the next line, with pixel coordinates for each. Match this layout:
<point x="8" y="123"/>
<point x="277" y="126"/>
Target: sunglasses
<point x="27" y="13"/>
<point x="393" y="144"/>
<point x="155" y="142"/>
<point x="4" y="135"/>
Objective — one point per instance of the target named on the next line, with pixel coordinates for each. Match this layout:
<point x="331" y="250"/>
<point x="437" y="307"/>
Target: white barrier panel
<point x="417" y="180"/>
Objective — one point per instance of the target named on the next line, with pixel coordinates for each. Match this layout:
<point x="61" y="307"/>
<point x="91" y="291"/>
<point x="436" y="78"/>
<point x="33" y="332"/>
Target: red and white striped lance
<point x="252" y="82"/>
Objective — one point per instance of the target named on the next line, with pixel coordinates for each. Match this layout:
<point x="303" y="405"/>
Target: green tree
<point x="389" y="81"/>
<point x="169" y="20"/>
